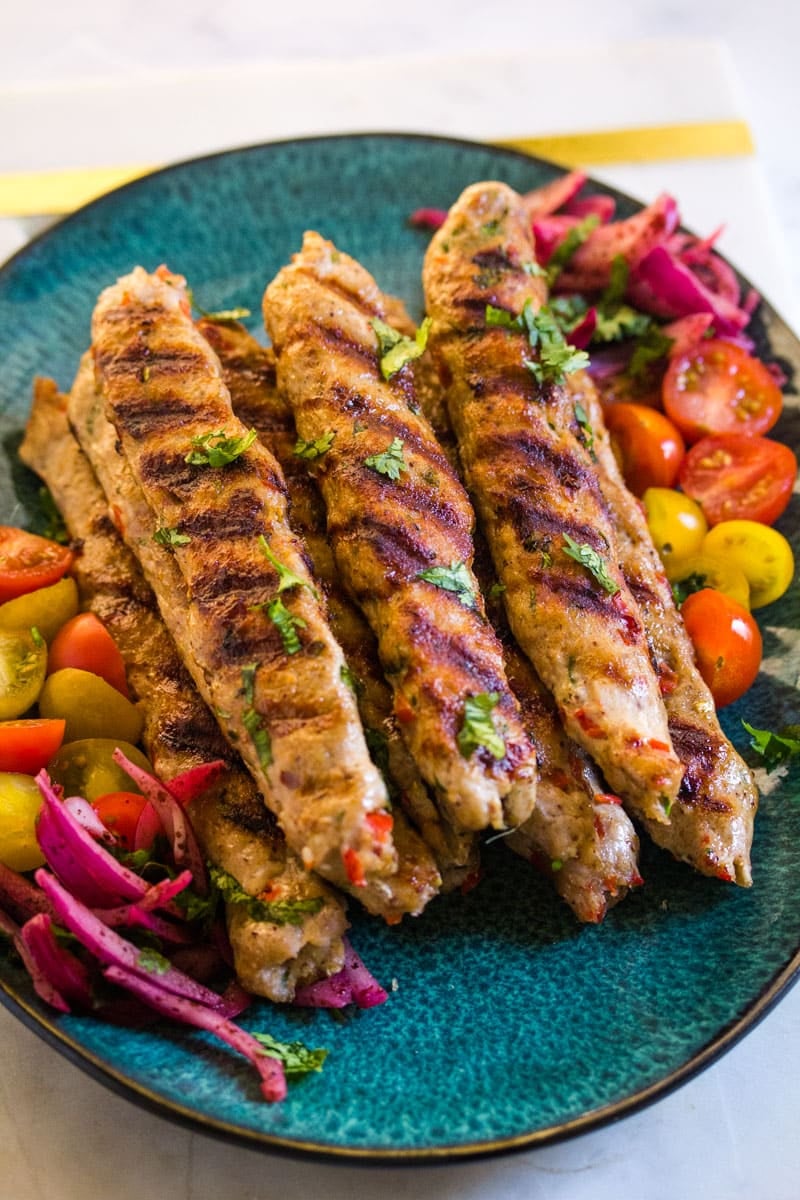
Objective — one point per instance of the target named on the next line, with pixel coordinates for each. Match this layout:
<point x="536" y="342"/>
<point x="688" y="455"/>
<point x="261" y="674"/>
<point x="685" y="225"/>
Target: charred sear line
<point x="496" y="259"/>
<point x="578" y="591"/>
<point x="565" y="468"/>
<point x="641" y="591"/>
<point x="331" y="340"/>
<point x="167" y="468"/>
<point x="266" y="416"/>
<point x="241" y="517"/>
<point x="193" y="732"/>
<point x="245" y="578"/>
<point x="461" y="656"/>
<point x="539" y="528"/>
<point x="162" y="414"/>
<point x="248" y="812"/>
<point x="701" y="754"/>
<point x="404" y="553"/>
<point x="341" y="292"/>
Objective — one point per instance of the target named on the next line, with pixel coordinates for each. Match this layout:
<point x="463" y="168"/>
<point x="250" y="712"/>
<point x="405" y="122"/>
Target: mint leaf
<point x="478" y="729"/>
<point x="455" y="578"/>
<point x="395" y="349"/>
<point x="297" y="1058"/>
<point x="588" y="557"/>
<point x="391" y="462"/>
<point x="217" y="449"/>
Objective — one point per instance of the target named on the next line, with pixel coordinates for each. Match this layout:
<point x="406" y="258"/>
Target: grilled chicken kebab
<point x="253" y="631"/>
<point x="237" y="831"/>
<point x="400" y="527"/>
<point x="501" y="361"/>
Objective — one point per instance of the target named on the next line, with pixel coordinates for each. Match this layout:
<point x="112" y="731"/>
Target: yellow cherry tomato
<point x="700" y="571"/>
<point x="47" y="608"/>
<point x="762" y="554"/>
<point x="676" y="524"/>
<point x="20" y="802"/>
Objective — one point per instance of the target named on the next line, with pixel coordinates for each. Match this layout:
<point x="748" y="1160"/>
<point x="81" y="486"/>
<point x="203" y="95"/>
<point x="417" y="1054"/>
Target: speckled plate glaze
<point x="509" y="1024"/>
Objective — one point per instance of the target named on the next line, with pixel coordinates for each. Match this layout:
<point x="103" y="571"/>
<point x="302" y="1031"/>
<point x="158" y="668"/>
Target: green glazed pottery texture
<point x="507" y="1022"/>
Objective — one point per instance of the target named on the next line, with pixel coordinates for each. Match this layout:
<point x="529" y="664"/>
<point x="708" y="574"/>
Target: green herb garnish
<point x="286" y="623"/>
<point x="54" y="527"/>
<point x="395" y="349"/>
<point x="258" y="736"/>
<point x="566" y="248"/>
<point x="249" y="682"/>
<point x="217" y="449"/>
<point x="36" y="637"/>
<point x="585" y="428"/>
<point x="588" y="557"/>
<point x="297" y="1059"/>
<point x="557" y="358"/>
<point x="688" y="586"/>
<point x="390" y="462"/>
<point x="286" y="577"/>
<point x="166" y="536"/>
<point x="456" y="578"/>
<point x="151" y="961"/>
<point x="651" y="347"/>
<point x="279" y="912"/>
<point x="478" y="729"/>
<point x="775" y="748"/>
<point x="315" y="449"/>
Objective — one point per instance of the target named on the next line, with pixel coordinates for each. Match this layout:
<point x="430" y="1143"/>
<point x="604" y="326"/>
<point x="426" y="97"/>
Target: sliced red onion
<point x="66" y="973"/>
<point x="161" y="894"/>
<point x="148" y="828"/>
<point x="86" y="816"/>
<point x="589" y="269"/>
<point x="428" y="218"/>
<point x="610" y="361"/>
<point x="581" y="335"/>
<point x="686" y="332"/>
<point x="88" y="870"/>
<point x="554" y="195"/>
<point x="190" y="784"/>
<point x="354" y="984"/>
<point x="41" y="984"/>
<point x="664" y="286"/>
<point x="273" y="1079"/>
<point x="110" y="948"/>
<point x="19" y="896"/>
<point x="549" y="232"/>
<point x="595" y="205"/>
<point x="134" y="916"/>
<point x="185" y="848"/>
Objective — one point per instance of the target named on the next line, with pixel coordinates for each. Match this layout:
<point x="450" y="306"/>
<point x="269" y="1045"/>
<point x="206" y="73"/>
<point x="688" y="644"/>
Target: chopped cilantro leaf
<point x="585" y="427"/>
<point x="588" y="557"/>
<point x="652" y="346"/>
<point x="395" y="349"/>
<point x="151" y="961"/>
<point x="249" y="681"/>
<point x="614" y="292"/>
<point x="54" y="528"/>
<point x="286" y="623"/>
<point x="455" y="578"/>
<point x="623" y="322"/>
<point x="315" y="449"/>
<point x="775" y="748"/>
<point x="225" y="315"/>
<point x="297" y="1059"/>
<point x="567" y="247"/>
<point x="279" y="912"/>
<point x="557" y="358"/>
<point x="217" y="449"/>
<point x="496" y="590"/>
<point x="170" y="537"/>
<point x="683" y="588"/>
<point x="478" y="728"/>
<point x="391" y="462"/>
<point x="502" y="319"/>
<point x="286" y="577"/>
<point x="258" y="735"/>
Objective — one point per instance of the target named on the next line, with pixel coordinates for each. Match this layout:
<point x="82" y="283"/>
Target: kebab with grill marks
<point x="502" y="363"/>
<point x="249" y="372"/>
<point x="237" y="831"/>
<point x="578" y="834"/>
<point x="400" y="527"/>
<point x="711" y="823"/>
<point x="253" y="632"/>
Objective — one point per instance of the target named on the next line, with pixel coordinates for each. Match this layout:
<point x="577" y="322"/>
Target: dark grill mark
<point x="192" y="731"/>
<point x="533" y="523"/>
<point x="700" y="752"/>
<point x="243" y="578"/>
<point x="140" y="419"/>
<point x="403" y="552"/>
<point x="241" y="517"/>
<point x="561" y="466"/>
<point x="342" y="292"/>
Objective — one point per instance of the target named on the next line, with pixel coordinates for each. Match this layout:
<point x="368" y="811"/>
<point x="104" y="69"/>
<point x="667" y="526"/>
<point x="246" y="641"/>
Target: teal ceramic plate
<point x="509" y="1024"/>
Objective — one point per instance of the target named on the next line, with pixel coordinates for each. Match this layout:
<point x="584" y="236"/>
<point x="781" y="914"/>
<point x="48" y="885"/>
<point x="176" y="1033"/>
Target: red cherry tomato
<point x="727" y="643"/>
<point x="647" y="445"/>
<point x="735" y="477"/>
<point x="85" y="643"/>
<point x="120" y="812"/>
<point x="719" y="388"/>
<point x="27" y="746"/>
<point x="28" y="562"/>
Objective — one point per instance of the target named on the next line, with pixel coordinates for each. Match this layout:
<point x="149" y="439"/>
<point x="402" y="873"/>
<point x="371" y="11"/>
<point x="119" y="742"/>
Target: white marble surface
<point x="731" y="1133"/>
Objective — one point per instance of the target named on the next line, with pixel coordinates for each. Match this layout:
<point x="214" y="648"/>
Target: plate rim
<point x="46" y="1027"/>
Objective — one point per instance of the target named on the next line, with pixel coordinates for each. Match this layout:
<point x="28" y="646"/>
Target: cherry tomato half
<point x="85" y="643"/>
<point x="28" y="562"/>
<point x="27" y="746"/>
<point x="727" y="643"/>
<point x="762" y="555"/>
<point x="120" y="812"/>
<point x="647" y="446"/>
<point x="735" y="477"/>
<point x="676" y="524"/>
<point x="719" y="388"/>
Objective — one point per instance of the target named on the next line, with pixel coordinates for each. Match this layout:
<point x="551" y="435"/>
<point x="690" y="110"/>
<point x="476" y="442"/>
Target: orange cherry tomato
<point x="736" y="477"/>
<point x="646" y="444"/>
<point x="27" y="746"/>
<point x="727" y="643"/>
<point x="120" y="812"/>
<point x="28" y="562"/>
<point x="85" y="643"/>
<point x="716" y="387"/>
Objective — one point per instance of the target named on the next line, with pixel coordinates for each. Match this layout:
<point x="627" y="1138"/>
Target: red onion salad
<point x="65" y="926"/>
<point x="667" y="281"/>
